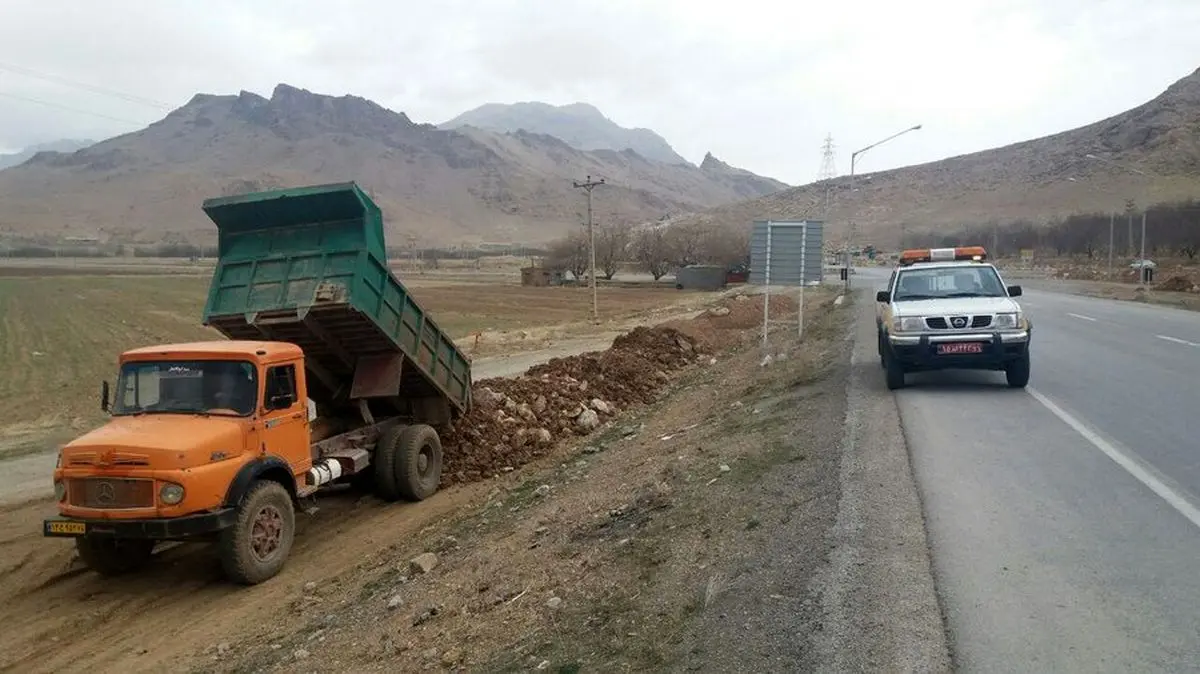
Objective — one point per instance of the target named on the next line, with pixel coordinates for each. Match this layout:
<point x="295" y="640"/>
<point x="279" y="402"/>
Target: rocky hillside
<point x="441" y="186"/>
<point x="579" y="125"/>
<point x="65" y="145"/>
<point x="1023" y="181"/>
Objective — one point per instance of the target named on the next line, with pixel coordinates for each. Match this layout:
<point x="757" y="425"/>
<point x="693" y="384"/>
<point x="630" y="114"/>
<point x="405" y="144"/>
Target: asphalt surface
<point x="1063" y="519"/>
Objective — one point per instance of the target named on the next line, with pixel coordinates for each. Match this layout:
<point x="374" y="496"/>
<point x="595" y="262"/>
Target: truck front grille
<point x="110" y="492"/>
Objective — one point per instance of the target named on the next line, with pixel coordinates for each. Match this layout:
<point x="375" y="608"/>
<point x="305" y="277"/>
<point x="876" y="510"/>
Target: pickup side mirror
<point x="1014" y="291"/>
<point x="104" y="406"/>
<point x="883" y="296"/>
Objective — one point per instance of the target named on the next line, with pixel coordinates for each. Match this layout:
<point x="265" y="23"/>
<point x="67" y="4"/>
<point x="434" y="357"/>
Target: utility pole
<point x="587" y="186"/>
<point x="853" y="162"/>
<point x="1112" y="218"/>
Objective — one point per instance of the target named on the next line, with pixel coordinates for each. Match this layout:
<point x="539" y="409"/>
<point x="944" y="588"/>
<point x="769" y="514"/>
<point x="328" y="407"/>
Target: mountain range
<point x="579" y="125"/>
<point x="436" y="185"/>
<point x="64" y="145"/>
<point x="1150" y="154"/>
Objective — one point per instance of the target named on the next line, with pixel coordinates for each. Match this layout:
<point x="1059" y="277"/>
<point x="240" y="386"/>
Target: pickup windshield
<point x="943" y="282"/>
<point x="186" y="387"/>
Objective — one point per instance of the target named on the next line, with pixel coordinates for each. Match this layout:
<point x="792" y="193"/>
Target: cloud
<point x="758" y="82"/>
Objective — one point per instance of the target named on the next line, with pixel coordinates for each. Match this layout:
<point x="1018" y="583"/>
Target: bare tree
<point x="685" y="242"/>
<point x="652" y="252"/>
<point x="570" y="253"/>
<point x="726" y="246"/>
<point x="612" y="244"/>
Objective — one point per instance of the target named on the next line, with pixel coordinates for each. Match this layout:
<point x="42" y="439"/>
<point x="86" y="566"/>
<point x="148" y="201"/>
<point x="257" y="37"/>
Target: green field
<point x="60" y="336"/>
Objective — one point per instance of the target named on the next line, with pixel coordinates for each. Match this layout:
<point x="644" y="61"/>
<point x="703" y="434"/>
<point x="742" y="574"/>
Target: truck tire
<point x="418" y="461"/>
<point x="257" y="545"/>
<point x="384" y="465"/>
<point x="1017" y="372"/>
<point x="114" y="556"/>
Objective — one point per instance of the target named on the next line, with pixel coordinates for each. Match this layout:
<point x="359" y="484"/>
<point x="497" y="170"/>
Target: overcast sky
<point x="758" y="83"/>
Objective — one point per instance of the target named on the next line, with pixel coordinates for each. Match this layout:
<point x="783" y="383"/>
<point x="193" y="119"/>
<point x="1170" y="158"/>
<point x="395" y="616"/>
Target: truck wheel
<point x="894" y="372"/>
<point x="258" y="543"/>
<point x="418" y="460"/>
<point x="114" y="556"/>
<point x="384" y="460"/>
<point x="1017" y="372"/>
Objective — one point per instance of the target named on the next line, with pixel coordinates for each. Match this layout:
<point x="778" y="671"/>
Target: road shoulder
<point x="878" y="592"/>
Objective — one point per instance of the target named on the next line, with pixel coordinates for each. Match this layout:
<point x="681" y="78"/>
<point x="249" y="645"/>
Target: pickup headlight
<point x="170" y="493"/>
<point x="1012" y="321"/>
<point x="60" y="490"/>
<point x="908" y="324"/>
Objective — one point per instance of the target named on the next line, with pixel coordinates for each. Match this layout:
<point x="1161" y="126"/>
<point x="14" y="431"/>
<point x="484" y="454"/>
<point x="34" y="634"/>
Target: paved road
<point x="1063" y="519"/>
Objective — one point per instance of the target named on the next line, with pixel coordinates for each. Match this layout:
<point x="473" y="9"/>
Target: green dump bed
<point x="308" y="265"/>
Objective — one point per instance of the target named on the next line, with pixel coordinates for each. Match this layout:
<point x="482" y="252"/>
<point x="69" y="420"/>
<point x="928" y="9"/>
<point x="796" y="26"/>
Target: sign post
<point x="779" y="255"/>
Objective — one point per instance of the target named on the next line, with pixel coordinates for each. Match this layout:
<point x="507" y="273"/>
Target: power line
<point x="68" y="108"/>
<point x="83" y="85"/>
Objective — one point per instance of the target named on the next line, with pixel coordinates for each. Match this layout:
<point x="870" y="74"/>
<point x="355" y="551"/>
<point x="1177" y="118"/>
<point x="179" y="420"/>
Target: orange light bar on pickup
<point x="976" y="253"/>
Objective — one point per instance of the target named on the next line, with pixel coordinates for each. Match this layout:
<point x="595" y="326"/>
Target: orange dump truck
<point x="331" y="373"/>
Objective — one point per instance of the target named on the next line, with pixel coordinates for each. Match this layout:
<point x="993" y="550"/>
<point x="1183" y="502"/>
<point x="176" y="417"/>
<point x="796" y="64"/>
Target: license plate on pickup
<point x="61" y="528"/>
<point x="958" y="348"/>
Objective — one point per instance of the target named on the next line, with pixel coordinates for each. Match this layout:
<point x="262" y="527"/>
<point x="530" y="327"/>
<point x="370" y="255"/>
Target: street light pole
<point x="588" y="185"/>
<point x="1112" y="219"/>
<point x="853" y="164"/>
<point x="1142" y="257"/>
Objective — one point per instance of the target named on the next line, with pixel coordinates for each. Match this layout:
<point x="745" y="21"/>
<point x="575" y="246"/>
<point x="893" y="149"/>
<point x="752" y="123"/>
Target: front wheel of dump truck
<point x="114" y="556"/>
<point x="418" y="462"/>
<point x="257" y="545"/>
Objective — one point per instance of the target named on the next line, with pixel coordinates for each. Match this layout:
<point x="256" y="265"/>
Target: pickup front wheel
<point x="257" y="545"/>
<point x="114" y="556"/>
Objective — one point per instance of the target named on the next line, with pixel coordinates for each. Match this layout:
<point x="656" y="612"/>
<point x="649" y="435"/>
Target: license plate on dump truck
<point x="61" y="528"/>
<point x="956" y="348"/>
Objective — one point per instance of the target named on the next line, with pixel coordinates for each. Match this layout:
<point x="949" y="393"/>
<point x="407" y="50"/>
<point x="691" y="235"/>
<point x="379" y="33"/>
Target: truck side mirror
<point x="883" y="296"/>
<point x="1014" y="291"/>
<point x="104" y="406"/>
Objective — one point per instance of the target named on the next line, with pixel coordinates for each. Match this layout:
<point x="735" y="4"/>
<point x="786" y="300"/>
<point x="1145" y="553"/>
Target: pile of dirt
<point x="1176" y="284"/>
<point x="724" y="325"/>
<point x="515" y="420"/>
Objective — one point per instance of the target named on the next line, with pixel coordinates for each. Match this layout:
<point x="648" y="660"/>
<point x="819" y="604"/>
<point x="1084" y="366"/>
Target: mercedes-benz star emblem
<point x="105" y="492"/>
<point x="958" y="322"/>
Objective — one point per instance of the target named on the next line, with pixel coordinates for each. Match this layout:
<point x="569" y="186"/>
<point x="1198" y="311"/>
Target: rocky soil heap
<point x="515" y="420"/>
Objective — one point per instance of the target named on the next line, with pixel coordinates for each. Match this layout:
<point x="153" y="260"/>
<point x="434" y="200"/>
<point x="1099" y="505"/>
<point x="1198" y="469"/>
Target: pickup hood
<point x="961" y="306"/>
<point x="162" y="441"/>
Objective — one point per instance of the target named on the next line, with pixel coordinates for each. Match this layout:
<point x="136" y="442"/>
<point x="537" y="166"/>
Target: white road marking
<point x="1175" y="500"/>
<point x="1177" y="340"/>
<point x="1081" y="316"/>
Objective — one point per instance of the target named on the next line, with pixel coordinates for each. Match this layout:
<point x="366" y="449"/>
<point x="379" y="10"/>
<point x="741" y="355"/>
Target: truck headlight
<point x="1009" y="321"/>
<point x="170" y="493"/>
<point x="908" y="324"/>
<point x="60" y="490"/>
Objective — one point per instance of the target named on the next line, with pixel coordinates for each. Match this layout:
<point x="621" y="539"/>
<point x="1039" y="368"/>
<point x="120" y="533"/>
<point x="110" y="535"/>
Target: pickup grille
<point x="106" y="493"/>
<point x="941" y="323"/>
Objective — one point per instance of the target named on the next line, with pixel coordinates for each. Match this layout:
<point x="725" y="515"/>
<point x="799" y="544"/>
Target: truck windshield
<point x="186" y="387"/>
<point x="941" y="282"/>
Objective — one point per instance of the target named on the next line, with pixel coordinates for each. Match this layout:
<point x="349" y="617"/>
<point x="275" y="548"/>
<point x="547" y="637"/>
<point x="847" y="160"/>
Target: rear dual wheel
<point x="408" y="463"/>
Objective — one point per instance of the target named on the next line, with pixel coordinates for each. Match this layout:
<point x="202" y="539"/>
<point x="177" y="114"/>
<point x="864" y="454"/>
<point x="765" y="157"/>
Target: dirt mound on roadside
<point x="724" y="325"/>
<point x="1176" y="284"/>
<point x="515" y="420"/>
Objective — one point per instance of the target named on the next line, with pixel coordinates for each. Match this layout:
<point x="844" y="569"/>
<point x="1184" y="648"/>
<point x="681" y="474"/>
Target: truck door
<point x="285" y="424"/>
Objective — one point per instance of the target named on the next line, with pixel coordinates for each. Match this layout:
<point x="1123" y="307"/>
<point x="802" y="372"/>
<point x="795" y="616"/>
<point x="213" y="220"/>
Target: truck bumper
<point x="175" y="528"/>
<point x="920" y="352"/>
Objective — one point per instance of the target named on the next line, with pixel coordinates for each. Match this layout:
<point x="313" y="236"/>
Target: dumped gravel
<point x="515" y="420"/>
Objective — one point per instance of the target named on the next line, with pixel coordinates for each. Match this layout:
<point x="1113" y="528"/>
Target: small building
<point x="701" y="277"/>
<point x="542" y="276"/>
